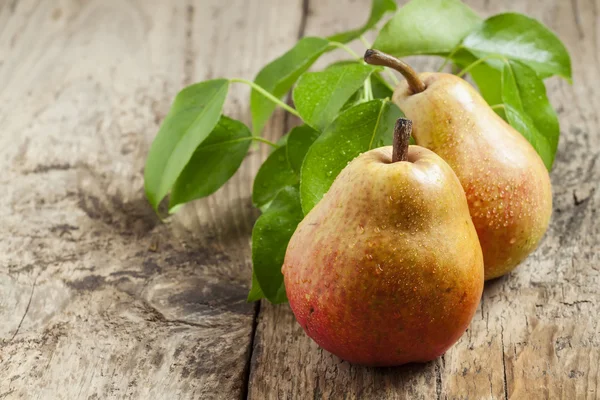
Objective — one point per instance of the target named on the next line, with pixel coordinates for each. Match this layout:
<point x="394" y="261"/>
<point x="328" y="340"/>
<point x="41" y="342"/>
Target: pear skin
<point x="387" y="269"/>
<point x="506" y="183"/>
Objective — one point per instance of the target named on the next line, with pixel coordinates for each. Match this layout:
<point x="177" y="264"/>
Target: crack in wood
<point x="577" y="201"/>
<point x="45" y="168"/>
<point x="576" y="303"/>
<point x="5" y="394"/>
<point x="577" y="19"/>
<point x="438" y="379"/>
<point x="13" y="6"/>
<point x="303" y="18"/>
<point x="301" y="32"/>
<point x="481" y="305"/>
<point x="504" y="363"/>
<point x="189" y="45"/>
<point x="248" y="368"/>
<point x="157" y="316"/>
<point x="26" y="309"/>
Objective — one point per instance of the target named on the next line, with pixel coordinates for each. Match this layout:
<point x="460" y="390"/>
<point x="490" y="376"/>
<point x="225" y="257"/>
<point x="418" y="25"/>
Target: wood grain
<point x="536" y="333"/>
<point x="98" y="299"/>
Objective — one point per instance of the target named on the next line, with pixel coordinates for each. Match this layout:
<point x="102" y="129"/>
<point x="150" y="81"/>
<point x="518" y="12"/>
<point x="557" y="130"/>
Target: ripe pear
<point x="507" y="185"/>
<point x="386" y="269"/>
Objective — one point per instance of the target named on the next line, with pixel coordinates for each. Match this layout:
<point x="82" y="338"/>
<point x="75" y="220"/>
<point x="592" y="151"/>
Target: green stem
<point x="259" y="139"/>
<point x="497" y="106"/>
<point x="243" y="139"/>
<point x="368" y="89"/>
<point x="365" y="41"/>
<point x="346" y="48"/>
<point x="479" y="61"/>
<point x="449" y="57"/>
<point x="268" y="95"/>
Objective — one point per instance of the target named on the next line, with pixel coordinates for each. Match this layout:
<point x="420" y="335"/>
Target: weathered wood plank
<point x="536" y="333"/>
<point x="97" y="298"/>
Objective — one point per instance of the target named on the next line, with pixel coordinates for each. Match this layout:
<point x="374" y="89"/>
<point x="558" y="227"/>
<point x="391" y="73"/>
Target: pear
<point x="507" y="185"/>
<point x="386" y="269"/>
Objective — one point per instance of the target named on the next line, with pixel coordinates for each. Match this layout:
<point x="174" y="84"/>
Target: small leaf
<point x="279" y="76"/>
<point x="427" y="27"/>
<point x="213" y="162"/>
<point x="529" y="111"/>
<point x="256" y="292"/>
<point x="274" y="174"/>
<point x="270" y="237"/>
<point x="319" y="96"/>
<point x="378" y="9"/>
<point x="518" y="37"/>
<point x="299" y="141"/>
<point x="195" y="112"/>
<point x="360" y="128"/>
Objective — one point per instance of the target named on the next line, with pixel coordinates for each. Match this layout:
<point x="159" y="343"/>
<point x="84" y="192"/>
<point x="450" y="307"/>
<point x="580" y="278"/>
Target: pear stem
<point x="402" y="131"/>
<point x="376" y="57"/>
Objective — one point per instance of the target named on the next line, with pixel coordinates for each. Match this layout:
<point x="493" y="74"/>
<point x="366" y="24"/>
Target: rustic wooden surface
<point x="100" y="300"/>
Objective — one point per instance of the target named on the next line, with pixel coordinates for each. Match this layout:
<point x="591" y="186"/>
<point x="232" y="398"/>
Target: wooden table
<point x="98" y="299"/>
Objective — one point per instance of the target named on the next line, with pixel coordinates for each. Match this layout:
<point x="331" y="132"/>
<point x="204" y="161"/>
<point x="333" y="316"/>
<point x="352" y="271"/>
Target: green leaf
<point x="427" y="27"/>
<point x="488" y="81"/>
<point x="275" y="174"/>
<point x="529" y="111"/>
<point x="299" y="141"/>
<point x="270" y="237"/>
<point x="319" y="96"/>
<point x="488" y="78"/>
<point x="213" y="162"/>
<point x="279" y="76"/>
<point x="381" y="89"/>
<point x="256" y="292"/>
<point x="282" y="141"/>
<point x="195" y="112"/>
<point x="518" y="37"/>
<point x="360" y="128"/>
<point x="378" y="9"/>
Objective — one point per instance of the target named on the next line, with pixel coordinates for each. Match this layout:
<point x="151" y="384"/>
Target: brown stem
<point x="402" y="131"/>
<point x="376" y="57"/>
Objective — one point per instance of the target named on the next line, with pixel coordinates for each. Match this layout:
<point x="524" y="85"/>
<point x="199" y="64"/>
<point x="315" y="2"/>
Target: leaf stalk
<point x="268" y="95"/>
